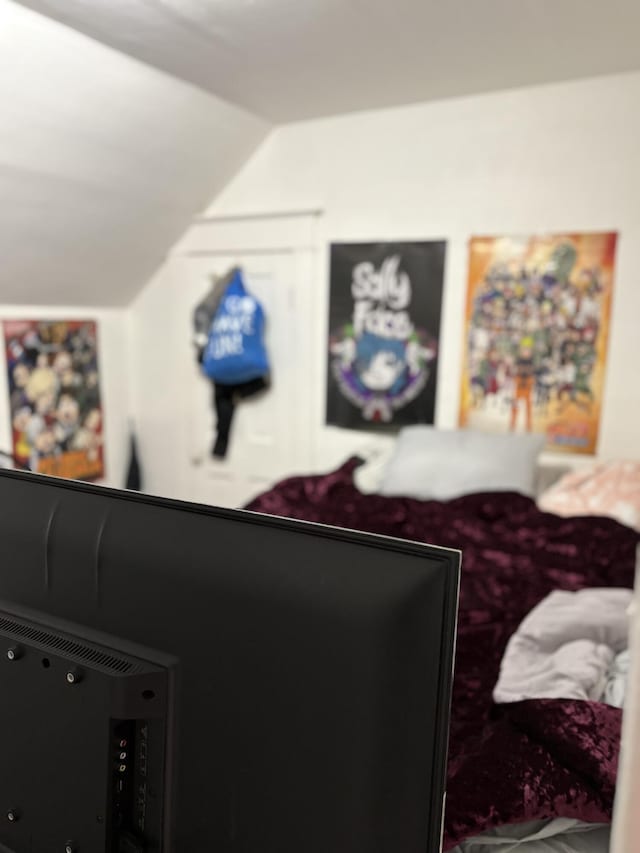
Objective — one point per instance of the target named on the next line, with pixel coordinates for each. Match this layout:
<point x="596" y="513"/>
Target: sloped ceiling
<point x="294" y="59"/>
<point x="103" y="162"/>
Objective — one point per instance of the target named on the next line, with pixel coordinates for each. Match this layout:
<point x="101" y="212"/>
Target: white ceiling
<point x="103" y="163"/>
<point x="293" y="59"/>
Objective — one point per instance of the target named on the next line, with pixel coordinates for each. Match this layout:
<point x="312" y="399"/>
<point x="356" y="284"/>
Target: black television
<point x="177" y="678"/>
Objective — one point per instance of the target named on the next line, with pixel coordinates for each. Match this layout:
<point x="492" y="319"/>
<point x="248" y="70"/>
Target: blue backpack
<point x="235" y="351"/>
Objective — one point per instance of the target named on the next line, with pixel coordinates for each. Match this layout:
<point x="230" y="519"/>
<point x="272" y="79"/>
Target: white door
<point x="270" y="432"/>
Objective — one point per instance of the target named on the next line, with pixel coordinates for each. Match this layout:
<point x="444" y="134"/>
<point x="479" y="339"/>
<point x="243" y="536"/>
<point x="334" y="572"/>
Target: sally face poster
<point x="536" y="332"/>
<point x="55" y="403"/>
<point x="384" y="327"/>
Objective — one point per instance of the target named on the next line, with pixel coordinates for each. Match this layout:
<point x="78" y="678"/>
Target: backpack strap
<point x="206" y="310"/>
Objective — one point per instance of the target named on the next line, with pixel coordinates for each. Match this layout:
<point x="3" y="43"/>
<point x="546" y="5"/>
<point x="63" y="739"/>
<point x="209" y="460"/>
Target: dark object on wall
<point x="134" y="475"/>
<point x="55" y="402"/>
<point x="312" y="676"/>
<point x="384" y="326"/>
<point x="229" y="338"/>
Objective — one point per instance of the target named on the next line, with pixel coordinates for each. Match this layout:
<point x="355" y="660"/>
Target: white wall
<point x="114" y="364"/>
<point x="103" y="162"/>
<point x="160" y="350"/>
<point x="555" y="158"/>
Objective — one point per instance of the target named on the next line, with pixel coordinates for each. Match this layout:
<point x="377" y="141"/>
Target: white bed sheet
<point x="554" y="836"/>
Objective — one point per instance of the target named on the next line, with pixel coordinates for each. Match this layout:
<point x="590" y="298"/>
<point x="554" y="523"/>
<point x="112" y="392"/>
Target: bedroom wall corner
<point x="156" y="344"/>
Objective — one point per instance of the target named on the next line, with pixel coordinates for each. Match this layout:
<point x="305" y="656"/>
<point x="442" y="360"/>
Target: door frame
<point x="293" y="233"/>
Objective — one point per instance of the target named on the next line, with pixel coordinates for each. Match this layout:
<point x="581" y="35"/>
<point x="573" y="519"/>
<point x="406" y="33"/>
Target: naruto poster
<point x="384" y="329"/>
<point x="536" y="336"/>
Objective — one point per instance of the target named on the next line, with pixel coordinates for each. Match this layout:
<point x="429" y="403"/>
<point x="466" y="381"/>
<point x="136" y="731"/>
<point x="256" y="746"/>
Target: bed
<point x="541" y="769"/>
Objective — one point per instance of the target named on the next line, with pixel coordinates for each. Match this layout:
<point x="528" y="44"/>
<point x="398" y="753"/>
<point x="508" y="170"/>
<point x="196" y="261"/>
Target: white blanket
<point x="616" y="689"/>
<point x="555" y="836"/>
<point x="566" y="648"/>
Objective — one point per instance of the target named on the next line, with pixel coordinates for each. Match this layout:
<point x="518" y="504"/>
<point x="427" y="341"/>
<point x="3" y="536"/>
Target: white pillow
<point x="429" y="463"/>
<point x="368" y="476"/>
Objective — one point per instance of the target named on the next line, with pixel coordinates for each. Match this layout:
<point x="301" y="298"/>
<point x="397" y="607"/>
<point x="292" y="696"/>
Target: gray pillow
<point x="430" y="463"/>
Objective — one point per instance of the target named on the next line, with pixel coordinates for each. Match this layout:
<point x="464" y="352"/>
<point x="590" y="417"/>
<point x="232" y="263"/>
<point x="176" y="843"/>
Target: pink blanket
<point x="609" y="488"/>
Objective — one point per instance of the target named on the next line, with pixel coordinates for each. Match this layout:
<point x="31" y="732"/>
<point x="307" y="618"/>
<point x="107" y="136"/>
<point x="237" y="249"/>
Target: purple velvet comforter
<point x="507" y="764"/>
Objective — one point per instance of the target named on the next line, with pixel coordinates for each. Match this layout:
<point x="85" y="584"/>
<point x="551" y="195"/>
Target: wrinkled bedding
<point x="555" y="836"/>
<point x="508" y="764"/>
<point x="615" y="689"/>
<point x="567" y="647"/>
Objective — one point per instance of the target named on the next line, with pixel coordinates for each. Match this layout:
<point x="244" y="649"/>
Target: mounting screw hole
<point x="148" y="695"/>
<point x="46" y="663"/>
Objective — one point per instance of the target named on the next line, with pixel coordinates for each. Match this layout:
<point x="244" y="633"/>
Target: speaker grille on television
<point x="65" y="646"/>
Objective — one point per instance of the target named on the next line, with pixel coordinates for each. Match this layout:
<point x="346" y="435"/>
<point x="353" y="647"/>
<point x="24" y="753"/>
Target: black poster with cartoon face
<point x="384" y="328"/>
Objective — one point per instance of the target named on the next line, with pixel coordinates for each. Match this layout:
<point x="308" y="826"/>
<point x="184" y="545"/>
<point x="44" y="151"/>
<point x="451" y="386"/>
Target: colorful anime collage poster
<point x="384" y="328"/>
<point x="537" y="326"/>
<point x="54" y="387"/>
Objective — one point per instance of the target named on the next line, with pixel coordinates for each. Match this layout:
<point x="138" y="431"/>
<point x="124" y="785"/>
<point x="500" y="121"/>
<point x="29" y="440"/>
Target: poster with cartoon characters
<point x="384" y="325"/>
<point x="537" y="324"/>
<point x="54" y="388"/>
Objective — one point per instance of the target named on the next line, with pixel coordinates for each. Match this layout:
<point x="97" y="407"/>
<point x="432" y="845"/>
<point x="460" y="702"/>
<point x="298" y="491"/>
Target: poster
<point x="537" y="323"/>
<point x="54" y="387"/>
<point x="384" y="326"/>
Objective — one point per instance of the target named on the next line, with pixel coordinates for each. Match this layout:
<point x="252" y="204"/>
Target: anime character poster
<point x="537" y="324"/>
<point x="55" y="403"/>
<point x="384" y="325"/>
